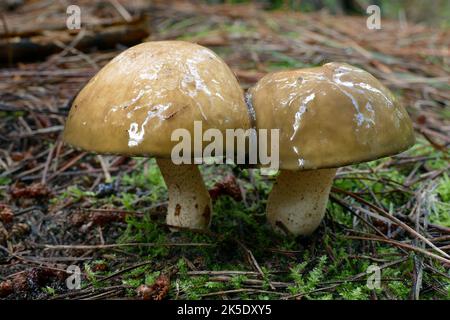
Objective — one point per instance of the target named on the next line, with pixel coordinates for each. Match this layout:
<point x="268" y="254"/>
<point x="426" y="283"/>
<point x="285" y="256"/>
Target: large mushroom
<point x="134" y="104"/>
<point x="328" y="117"/>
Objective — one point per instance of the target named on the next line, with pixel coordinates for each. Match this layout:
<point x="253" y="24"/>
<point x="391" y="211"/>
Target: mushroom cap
<point x="135" y="102"/>
<point x="330" y="116"/>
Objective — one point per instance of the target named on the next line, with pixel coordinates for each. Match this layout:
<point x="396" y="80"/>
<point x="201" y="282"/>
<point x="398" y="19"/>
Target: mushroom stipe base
<point x="189" y="201"/>
<point x="298" y="200"/>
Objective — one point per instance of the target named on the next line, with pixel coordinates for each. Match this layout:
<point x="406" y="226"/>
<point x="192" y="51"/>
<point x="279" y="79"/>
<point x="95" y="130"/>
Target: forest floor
<point x="105" y="214"/>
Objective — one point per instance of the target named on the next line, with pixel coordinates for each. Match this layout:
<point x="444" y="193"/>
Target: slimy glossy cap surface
<point x="138" y="99"/>
<point x="330" y="116"/>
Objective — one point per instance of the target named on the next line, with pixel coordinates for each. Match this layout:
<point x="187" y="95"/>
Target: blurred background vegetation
<point x="433" y="12"/>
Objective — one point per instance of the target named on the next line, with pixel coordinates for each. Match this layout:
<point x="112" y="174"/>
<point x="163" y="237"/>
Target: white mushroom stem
<point x="189" y="201"/>
<point x="298" y="200"/>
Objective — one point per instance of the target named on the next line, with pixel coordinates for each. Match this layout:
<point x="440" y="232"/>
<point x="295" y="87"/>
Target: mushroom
<point x="134" y="103"/>
<point x="328" y="117"/>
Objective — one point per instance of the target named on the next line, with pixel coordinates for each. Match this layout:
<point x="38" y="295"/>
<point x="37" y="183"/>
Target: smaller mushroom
<point x="139" y="99"/>
<point x="328" y="117"/>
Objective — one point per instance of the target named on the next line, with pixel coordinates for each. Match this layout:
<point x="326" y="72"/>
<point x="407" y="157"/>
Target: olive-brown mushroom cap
<point x="138" y="99"/>
<point x="330" y="116"/>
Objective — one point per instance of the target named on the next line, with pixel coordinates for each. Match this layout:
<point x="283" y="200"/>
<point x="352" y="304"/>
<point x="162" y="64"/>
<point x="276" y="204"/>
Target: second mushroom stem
<point x="298" y="200"/>
<point x="189" y="201"/>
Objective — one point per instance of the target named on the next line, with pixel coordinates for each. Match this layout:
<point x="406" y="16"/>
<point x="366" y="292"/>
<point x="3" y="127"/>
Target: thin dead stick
<point x="251" y="282"/>
<point x="115" y="274"/>
<point x="350" y="208"/>
<point x="122" y="11"/>
<point x="47" y="164"/>
<point x="442" y="274"/>
<point x="66" y="49"/>
<point x="403" y="245"/>
<point x="38" y="131"/>
<point x="394" y="219"/>
<point x="430" y="175"/>
<point x="119" y="245"/>
<point x="104" y="295"/>
<point x="56" y="259"/>
<point x="84" y="73"/>
<point x="87" y="210"/>
<point x="68" y="165"/>
<point x="221" y="273"/>
<point x="104" y="168"/>
<point x="254" y="262"/>
<point x="441" y="238"/>
<point x="40" y="264"/>
<point x="240" y="291"/>
<point x="86" y="292"/>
